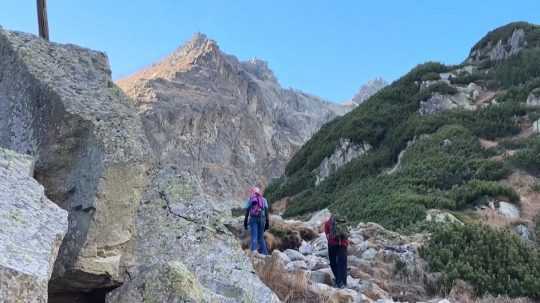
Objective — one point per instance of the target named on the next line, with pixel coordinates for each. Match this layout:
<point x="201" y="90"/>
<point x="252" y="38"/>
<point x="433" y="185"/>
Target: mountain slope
<point x="443" y="144"/>
<point x="420" y="139"/>
<point x="227" y="123"/>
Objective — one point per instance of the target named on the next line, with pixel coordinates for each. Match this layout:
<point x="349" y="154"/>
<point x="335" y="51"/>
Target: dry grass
<point x="523" y="184"/>
<point x="490" y="299"/>
<point x="290" y="287"/>
<point x="487" y="144"/>
<point x="464" y="293"/>
<point x="492" y="218"/>
<point x="294" y="287"/>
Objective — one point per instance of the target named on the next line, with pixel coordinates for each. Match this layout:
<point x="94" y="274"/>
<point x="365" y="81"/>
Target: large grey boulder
<point x="345" y="152"/>
<point x="165" y="283"/>
<point x="464" y="98"/>
<point x="176" y="223"/>
<point x="59" y="104"/>
<point x="32" y="228"/>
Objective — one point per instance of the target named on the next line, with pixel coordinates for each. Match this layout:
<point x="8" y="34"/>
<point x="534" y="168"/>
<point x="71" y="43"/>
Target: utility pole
<point x="42" y="19"/>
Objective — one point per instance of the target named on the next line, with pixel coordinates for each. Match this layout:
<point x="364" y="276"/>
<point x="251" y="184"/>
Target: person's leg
<point x="260" y="232"/>
<point x="333" y="261"/>
<point x="253" y="230"/>
<point x="342" y="265"/>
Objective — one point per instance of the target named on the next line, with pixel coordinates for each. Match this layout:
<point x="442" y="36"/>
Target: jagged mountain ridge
<point x="226" y="122"/>
<point x="368" y="89"/>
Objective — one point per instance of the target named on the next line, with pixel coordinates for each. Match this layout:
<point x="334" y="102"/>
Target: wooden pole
<point x="42" y="19"/>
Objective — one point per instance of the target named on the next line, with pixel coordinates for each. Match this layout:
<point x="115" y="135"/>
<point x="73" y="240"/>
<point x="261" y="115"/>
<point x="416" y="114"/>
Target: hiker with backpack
<point x="257" y="219"/>
<point x="337" y="235"/>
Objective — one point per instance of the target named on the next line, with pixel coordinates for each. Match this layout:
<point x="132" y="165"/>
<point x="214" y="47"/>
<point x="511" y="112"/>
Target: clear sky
<point x="328" y="48"/>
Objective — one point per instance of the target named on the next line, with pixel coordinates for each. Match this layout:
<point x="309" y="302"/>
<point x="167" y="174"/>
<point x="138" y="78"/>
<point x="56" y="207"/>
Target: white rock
<point x="369" y="254"/>
<point x="305" y="248"/>
<point x="536" y="127"/>
<point x="508" y="210"/>
<point x="282" y="257"/>
<point x="318" y="218"/>
<point x="296" y="266"/>
<point x="534" y="98"/>
<point x="294" y="255"/>
<point x="320" y="276"/>
<point x="355" y="261"/>
<point x="345" y="152"/>
<point x="523" y="231"/>
<point x="320" y="242"/>
<point x="321" y="253"/>
<point x="439" y="216"/>
<point x="315" y="263"/>
<point x="31" y="231"/>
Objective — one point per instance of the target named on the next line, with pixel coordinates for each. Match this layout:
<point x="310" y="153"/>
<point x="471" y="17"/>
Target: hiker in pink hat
<point x="257" y="219"/>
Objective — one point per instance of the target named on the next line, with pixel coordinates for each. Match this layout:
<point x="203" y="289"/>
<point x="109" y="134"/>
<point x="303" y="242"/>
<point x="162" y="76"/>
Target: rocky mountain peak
<point x="198" y="51"/>
<point x="367" y="90"/>
<point x="199" y="45"/>
<point x="260" y="69"/>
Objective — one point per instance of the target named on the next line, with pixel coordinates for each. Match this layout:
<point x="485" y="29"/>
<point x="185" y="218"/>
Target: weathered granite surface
<point x="32" y="229"/>
<point x="59" y="105"/>
<point x="228" y="123"/>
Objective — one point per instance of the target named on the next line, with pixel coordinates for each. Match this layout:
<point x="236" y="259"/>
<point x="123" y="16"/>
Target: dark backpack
<point x="256" y="203"/>
<point x="339" y="229"/>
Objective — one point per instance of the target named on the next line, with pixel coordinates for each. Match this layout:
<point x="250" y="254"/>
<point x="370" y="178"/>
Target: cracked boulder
<point x="31" y="233"/>
<point x="59" y="104"/>
<point x="167" y="283"/>
<point x="176" y="224"/>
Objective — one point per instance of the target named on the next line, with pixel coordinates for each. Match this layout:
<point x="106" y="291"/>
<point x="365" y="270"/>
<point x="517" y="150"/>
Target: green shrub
<point x="520" y="93"/>
<point x="504" y="32"/>
<point x="528" y="158"/>
<point x="289" y="186"/>
<point x="440" y="87"/>
<point x="518" y="69"/>
<point x="537" y="229"/>
<point x="432" y="76"/>
<point x="446" y="169"/>
<point x="489" y="169"/>
<point x="431" y="170"/>
<point x="494" y="262"/>
<point x="536" y="187"/>
<point x="474" y="190"/>
<point x="464" y="78"/>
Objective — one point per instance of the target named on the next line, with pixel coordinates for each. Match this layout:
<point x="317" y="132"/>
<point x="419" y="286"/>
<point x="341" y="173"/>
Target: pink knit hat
<point x="256" y="191"/>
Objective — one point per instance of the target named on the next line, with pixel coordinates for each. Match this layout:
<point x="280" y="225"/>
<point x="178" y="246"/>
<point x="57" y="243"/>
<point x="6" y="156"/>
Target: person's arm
<point x="267" y="216"/>
<point x="246" y="217"/>
<point x="326" y="229"/>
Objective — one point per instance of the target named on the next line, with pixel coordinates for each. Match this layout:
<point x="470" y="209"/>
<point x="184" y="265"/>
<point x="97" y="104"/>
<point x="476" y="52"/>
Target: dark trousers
<point x="338" y="262"/>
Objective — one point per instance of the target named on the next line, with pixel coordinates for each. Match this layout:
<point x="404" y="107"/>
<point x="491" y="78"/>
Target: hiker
<point x="257" y="219"/>
<point x="337" y="235"/>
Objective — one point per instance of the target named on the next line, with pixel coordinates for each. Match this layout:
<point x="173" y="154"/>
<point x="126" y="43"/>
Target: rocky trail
<point x="383" y="266"/>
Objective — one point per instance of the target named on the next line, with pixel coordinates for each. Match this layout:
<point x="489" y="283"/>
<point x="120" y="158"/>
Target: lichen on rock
<point x="32" y="228"/>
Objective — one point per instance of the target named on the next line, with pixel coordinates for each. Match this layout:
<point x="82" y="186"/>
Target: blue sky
<point x="328" y="48"/>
